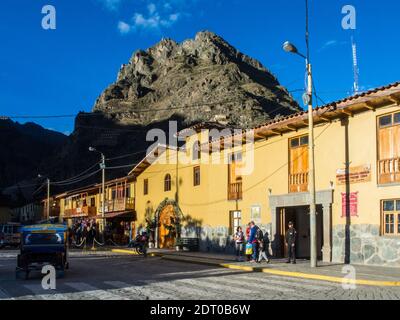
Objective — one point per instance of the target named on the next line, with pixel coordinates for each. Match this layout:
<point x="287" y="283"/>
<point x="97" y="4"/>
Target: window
<point x="391" y="217"/>
<point x="389" y="148"/>
<point x="234" y="178"/>
<point x="92" y="202"/>
<point x="128" y="192"/>
<point x="146" y="186"/>
<point x="298" y="164"/>
<point x="235" y="221"/>
<point x="196" y="176"/>
<point x="385" y="121"/>
<point x="167" y="183"/>
<point x="196" y="151"/>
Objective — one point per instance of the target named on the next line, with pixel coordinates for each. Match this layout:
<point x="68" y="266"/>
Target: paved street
<point x="112" y="276"/>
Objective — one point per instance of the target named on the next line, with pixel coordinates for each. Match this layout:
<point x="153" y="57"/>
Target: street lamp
<point x="291" y="48"/>
<point x="103" y="191"/>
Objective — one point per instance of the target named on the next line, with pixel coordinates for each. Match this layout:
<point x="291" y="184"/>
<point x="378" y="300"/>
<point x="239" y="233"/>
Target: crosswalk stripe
<point x="3" y="295"/>
<point x="200" y="272"/>
<point x="183" y="291"/>
<point x="209" y="283"/>
<point x="142" y="292"/>
<point x="40" y="294"/>
<point x="254" y="284"/>
<point x="288" y="284"/>
<point x="88" y="290"/>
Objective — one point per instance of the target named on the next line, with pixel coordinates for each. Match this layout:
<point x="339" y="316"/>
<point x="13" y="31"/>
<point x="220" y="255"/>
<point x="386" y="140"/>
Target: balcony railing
<point x="84" y="211"/>
<point x="389" y="170"/>
<point x="235" y="191"/>
<point x="121" y="204"/>
<point x="298" y="182"/>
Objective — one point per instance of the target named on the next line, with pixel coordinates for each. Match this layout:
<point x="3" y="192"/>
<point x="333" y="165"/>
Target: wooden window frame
<point x="396" y="218"/>
<point x="167" y="183"/>
<point x="301" y="176"/>
<point x="196" y="178"/>
<point x="196" y="152"/>
<point x="145" y="187"/>
<point x="232" y="219"/>
<point x="379" y="161"/>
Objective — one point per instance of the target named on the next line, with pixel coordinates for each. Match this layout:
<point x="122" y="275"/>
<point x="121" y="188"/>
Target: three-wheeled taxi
<point x="43" y="244"/>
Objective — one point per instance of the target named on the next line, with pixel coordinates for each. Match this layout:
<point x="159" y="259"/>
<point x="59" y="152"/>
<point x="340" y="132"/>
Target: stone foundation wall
<point x="366" y="246"/>
<point x="216" y="239"/>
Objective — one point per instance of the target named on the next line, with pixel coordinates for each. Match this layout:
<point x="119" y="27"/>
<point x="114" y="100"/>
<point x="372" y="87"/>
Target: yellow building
<point x="85" y="204"/>
<point x="206" y="194"/>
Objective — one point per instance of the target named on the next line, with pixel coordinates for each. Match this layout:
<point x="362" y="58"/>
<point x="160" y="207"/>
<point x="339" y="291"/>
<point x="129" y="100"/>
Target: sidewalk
<point x="365" y="275"/>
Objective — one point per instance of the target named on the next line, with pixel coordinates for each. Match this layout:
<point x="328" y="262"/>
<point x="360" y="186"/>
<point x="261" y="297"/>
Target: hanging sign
<point x="356" y="175"/>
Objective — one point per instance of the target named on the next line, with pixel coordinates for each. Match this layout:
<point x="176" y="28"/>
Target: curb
<point x="292" y="274"/>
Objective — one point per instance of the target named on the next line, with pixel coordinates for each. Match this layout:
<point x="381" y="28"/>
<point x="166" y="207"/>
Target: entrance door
<point x="166" y="229"/>
<point x="301" y="219"/>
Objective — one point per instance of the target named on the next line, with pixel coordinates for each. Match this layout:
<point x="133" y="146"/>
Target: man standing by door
<point x="291" y="236"/>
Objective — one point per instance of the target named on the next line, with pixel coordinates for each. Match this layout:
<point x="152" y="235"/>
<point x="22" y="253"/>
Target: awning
<point x="119" y="214"/>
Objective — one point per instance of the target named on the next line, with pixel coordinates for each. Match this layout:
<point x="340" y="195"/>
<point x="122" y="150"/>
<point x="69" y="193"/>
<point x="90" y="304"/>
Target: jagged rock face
<point x="204" y="79"/>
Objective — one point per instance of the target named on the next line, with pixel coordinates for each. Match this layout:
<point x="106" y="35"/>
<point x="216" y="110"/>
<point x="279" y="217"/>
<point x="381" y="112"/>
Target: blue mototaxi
<point x="43" y="244"/>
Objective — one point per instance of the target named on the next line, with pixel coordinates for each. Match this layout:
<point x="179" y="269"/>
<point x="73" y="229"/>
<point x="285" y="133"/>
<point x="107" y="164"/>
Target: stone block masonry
<point x="366" y="246"/>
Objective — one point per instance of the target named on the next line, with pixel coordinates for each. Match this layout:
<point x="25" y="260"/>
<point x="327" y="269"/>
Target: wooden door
<point x="166" y="233"/>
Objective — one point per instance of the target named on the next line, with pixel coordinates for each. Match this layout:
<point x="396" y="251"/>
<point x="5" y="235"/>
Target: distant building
<point x="29" y="213"/>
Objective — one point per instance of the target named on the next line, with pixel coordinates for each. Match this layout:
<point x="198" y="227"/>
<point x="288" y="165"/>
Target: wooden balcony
<point x="298" y="182"/>
<point x="389" y="171"/>
<point x="122" y="204"/>
<point x="85" y="211"/>
<point x="235" y="191"/>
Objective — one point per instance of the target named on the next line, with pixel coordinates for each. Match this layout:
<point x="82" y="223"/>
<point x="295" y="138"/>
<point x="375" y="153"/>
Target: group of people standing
<point x="83" y="229"/>
<point x="255" y="244"/>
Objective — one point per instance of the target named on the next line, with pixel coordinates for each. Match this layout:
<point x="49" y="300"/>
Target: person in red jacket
<point x="248" y="257"/>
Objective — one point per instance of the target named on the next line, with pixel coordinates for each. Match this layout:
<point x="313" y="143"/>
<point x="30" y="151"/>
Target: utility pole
<point x="289" y="47"/>
<point x="103" y="193"/>
<point x="48" y="199"/>
<point x="311" y="172"/>
<point x="103" y="190"/>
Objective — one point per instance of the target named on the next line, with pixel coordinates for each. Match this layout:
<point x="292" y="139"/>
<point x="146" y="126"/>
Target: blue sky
<point x="63" y="71"/>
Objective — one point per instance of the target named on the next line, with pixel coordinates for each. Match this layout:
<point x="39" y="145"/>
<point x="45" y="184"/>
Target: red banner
<point x="350" y="204"/>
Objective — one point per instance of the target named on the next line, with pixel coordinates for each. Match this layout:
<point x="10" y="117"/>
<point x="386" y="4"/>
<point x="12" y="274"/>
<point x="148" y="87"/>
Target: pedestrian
<point x="264" y="245"/>
<point x="92" y="234"/>
<point x="253" y="241"/>
<point x="239" y="240"/>
<point x="291" y="237"/>
<point x="248" y="257"/>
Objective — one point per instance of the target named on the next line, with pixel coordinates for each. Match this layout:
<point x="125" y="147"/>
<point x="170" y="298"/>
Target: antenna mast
<point x="356" y="71"/>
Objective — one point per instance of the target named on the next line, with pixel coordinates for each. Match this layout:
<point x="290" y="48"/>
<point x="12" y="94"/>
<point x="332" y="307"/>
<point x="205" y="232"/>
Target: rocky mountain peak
<point x="201" y="79"/>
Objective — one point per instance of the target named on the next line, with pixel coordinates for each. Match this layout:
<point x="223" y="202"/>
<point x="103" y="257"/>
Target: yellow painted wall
<point x="208" y="202"/>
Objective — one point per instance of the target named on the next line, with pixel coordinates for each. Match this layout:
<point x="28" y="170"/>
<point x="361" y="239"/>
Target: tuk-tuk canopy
<point x="39" y="228"/>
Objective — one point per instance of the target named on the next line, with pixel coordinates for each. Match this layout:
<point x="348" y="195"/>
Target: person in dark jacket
<point x="253" y="241"/>
<point x="291" y="237"/>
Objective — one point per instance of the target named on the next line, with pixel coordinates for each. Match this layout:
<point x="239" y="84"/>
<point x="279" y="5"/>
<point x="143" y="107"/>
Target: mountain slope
<point x="204" y="79"/>
<point x="23" y="147"/>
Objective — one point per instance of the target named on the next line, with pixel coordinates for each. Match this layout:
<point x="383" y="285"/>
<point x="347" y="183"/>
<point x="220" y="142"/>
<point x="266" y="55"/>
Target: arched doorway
<point x="167" y="228"/>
